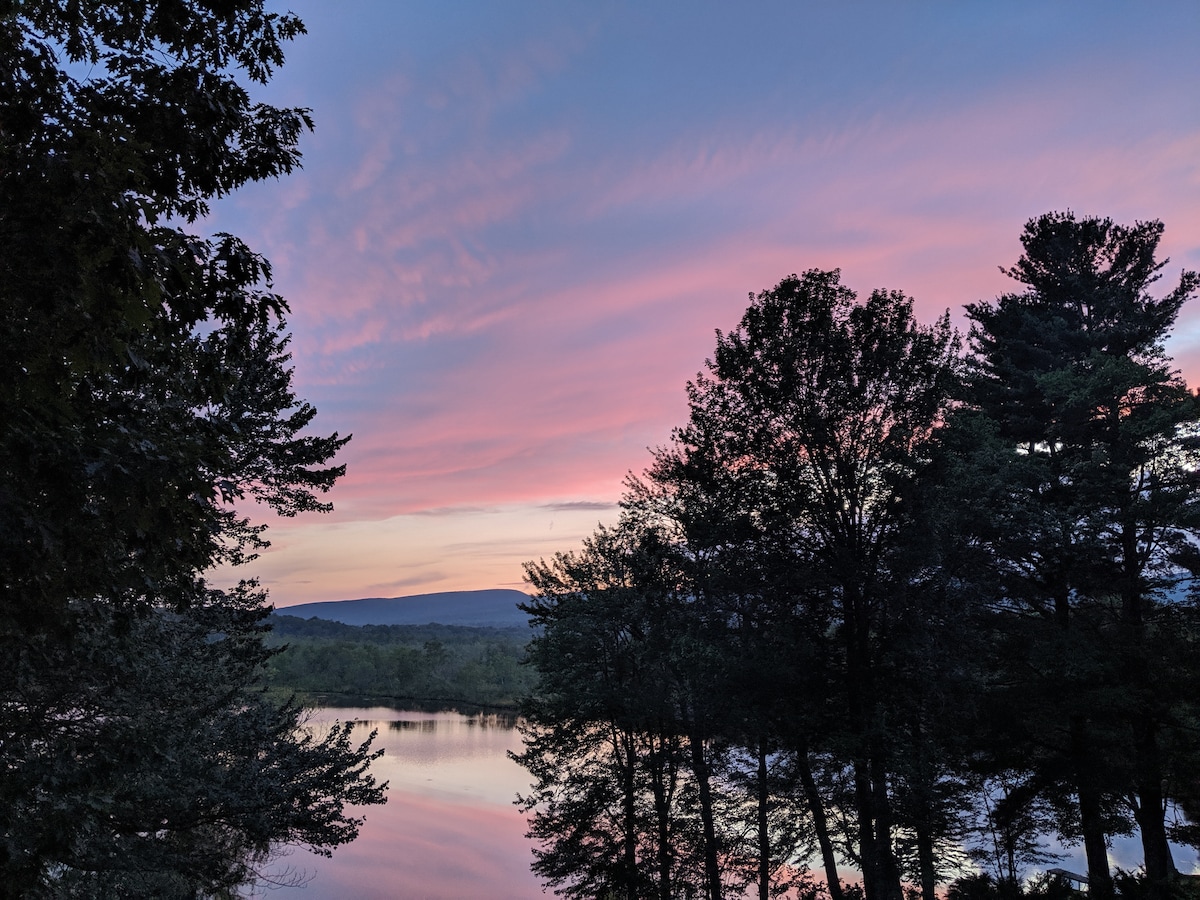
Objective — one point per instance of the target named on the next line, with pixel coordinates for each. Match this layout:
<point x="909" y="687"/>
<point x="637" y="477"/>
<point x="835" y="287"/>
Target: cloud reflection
<point x="449" y="829"/>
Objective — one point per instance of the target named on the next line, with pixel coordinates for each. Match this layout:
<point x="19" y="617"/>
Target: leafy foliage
<point x="757" y="575"/>
<point x="903" y="607"/>
<point x="145" y="391"/>
<point x="422" y="664"/>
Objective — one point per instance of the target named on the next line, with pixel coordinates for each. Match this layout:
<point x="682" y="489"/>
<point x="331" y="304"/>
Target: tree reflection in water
<point x="449" y="829"/>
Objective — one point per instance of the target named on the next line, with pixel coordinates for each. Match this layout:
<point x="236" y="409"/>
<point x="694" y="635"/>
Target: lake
<point x="449" y="828"/>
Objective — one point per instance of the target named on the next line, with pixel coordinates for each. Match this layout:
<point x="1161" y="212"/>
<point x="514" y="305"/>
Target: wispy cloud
<point x="581" y="506"/>
<point x="421" y="579"/>
<point x="517" y="233"/>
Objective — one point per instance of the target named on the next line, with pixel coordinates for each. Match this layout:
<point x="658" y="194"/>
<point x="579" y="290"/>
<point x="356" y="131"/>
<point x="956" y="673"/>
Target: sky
<point x="519" y="225"/>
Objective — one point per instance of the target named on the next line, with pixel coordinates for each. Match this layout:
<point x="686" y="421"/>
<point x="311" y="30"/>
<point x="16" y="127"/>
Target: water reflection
<point x="449" y="828"/>
<point x="502" y="721"/>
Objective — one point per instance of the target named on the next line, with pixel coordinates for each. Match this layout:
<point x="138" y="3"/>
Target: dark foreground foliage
<point x="145" y="394"/>
<point x="891" y="604"/>
<point x="1051" y="886"/>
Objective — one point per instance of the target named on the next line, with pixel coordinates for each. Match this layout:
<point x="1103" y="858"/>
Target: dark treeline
<point x="891" y="600"/>
<point x="426" y="665"/>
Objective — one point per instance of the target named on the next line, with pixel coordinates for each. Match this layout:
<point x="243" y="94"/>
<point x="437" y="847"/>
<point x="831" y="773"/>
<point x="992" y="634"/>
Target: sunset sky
<point x="519" y="224"/>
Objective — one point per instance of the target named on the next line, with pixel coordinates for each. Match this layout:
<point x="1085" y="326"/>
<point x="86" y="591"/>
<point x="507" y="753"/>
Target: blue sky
<point x="519" y="225"/>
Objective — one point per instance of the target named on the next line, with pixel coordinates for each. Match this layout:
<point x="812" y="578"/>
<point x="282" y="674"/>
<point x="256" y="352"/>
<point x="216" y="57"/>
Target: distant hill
<point x="477" y="609"/>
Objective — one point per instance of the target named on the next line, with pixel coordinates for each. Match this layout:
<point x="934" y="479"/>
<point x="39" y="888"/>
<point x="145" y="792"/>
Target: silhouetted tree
<point x="145" y="391"/>
<point x="602" y="734"/>
<point x="755" y="654"/>
<point x="1093" y="510"/>
<point x="890" y="611"/>
<point x="836" y="401"/>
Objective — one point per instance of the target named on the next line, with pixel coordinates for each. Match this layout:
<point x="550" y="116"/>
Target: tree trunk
<point x="820" y="824"/>
<point x="630" y="809"/>
<point x="764" y="830"/>
<point x="868" y="855"/>
<point x="660" y="760"/>
<point x="859" y="698"/>
<point x="926" y="862"/>
<point x="922" y="814"/>
<point x="1091" y="820"/>
<point x="889" y="870"/>
<point x="1095" y="845"/>
<point x="712" y="869"/>
<point x="1151" y="808"/>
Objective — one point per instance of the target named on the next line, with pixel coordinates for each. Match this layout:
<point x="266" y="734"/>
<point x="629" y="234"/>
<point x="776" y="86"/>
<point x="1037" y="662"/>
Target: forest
<point x="427" y="666"/>
<point x="916" y="606"/>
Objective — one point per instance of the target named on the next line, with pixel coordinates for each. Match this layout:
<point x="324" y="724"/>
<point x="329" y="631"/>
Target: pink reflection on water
<point x="449" y="829"/>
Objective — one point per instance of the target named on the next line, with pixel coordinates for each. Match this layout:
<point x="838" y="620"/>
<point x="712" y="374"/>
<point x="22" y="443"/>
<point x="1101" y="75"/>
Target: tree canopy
<point x="889" y="602"/>
<point x="146" y="396"/>
<point x="1099" y="488"/>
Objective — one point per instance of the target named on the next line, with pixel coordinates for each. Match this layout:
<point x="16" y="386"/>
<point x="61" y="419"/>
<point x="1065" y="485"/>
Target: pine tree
<point x="1092" y="507"/>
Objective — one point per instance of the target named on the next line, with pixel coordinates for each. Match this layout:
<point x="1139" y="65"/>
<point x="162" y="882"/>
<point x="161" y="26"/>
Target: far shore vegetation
<point x="404" y="666"/>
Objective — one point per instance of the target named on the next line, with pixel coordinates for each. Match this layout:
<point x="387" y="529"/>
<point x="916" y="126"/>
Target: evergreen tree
<point x="1092" y="513"/>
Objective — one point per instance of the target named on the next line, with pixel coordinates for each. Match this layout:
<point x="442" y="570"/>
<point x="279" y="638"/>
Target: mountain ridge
<point x="496" y="607"/>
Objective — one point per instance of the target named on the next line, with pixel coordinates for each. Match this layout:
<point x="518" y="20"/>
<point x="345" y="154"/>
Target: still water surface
<point x="449" y="829"/>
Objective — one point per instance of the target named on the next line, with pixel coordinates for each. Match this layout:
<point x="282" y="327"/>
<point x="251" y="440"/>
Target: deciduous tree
<point x="837" y="401"/>
<point x="145" y="395"/>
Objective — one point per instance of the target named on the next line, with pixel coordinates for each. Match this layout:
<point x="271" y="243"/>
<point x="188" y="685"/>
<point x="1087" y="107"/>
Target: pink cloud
<point x="511" y="247"/>
<point x="505" y="310"/>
